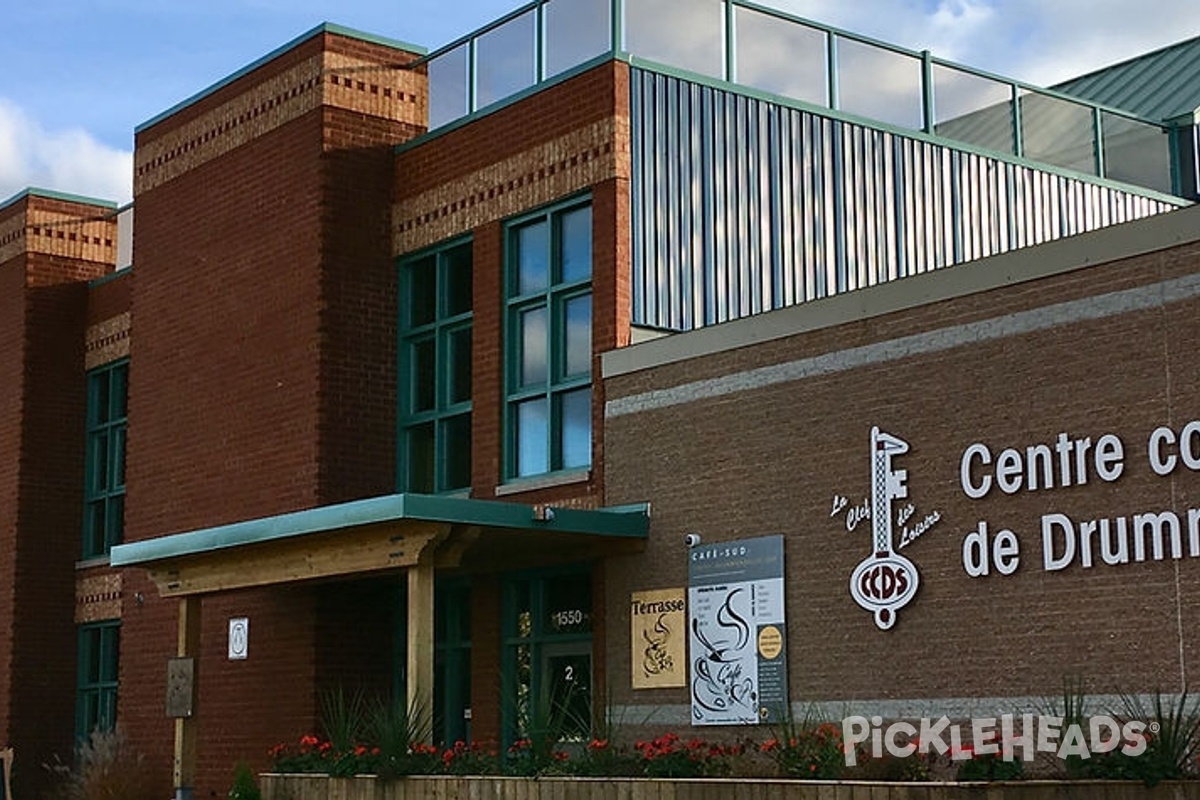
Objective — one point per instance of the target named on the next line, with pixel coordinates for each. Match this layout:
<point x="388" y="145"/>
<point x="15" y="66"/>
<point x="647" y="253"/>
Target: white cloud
<point x="71" y="161"/>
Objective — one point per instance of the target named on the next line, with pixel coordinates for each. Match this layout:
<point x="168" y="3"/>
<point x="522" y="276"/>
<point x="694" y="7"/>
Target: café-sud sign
<point x="885" y="581"/>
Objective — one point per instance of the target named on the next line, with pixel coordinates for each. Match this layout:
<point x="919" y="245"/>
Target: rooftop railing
<point x="782" y="55"/>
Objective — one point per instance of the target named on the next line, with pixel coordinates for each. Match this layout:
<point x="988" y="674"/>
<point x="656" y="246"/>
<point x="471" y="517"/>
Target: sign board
<point x="658" y="630"/>
<point x="181" y="683"/>
<point x="239" y="638"/>
<point x="737" y="635"/>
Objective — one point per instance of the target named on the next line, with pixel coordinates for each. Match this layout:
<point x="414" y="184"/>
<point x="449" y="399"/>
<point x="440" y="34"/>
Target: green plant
<point x="108" y="768"/>
<point x="245" y="787"/>
<point x="343" y="718"/>
<point x="668" y="756"/>
<point x="1172" y="740"/>
<point x="807" y="749"/>
<point x="400" y="734"/>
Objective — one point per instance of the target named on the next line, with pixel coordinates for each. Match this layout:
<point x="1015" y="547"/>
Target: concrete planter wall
<point x="317" y="787"/>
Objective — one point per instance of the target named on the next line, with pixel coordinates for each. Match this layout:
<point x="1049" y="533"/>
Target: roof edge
<point x="324" y="27"/>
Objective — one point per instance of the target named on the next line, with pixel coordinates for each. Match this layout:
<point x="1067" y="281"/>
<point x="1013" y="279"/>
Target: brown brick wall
<point x="770" y="460"/>
<point x="263" y="376"/>
<point x="50" y="248"/>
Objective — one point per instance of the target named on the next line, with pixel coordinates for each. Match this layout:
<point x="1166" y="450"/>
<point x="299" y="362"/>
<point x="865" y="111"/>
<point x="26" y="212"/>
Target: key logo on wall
<point x="886" y="581"/>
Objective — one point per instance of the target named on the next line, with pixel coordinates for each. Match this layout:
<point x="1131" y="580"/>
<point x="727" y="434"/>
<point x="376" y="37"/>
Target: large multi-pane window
<point x="435" y="370"/>
<point x="96" y="681"/>
<point x="104" y="490"/>
<point x="549" y="335"/>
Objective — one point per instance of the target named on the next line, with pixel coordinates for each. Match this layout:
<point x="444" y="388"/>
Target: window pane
<point x="505" y="59"/>
<point x="456" y="435"/>
<point x="93" y="540"/>
<point x="421" y="458"/>
<point x="879" y="84"/>
<point x="98" y="468"/>
<point x="577" y="429"/>
<point x="973" y="109"/>
<point x="534" y="335"/>
<point x="114" y="521"/>
<point x="533" y="271"/>
<point x="578" y="318"/>
<point x="576" y="232"/>
<point x="1058" y="132"/>
<point x="448" y="87"/>
<point x="576" y="30"/>
<point x="422" y="291"/>
<point x="99" y="399"/>
<point x="119" y="392"/>
<point x="1136" y="152"/>
<point x="118" y="457"/>
<point x="532" y="435"/>
<point x="568" y="604"/>
<point x="781" y="56"/>
<point x="458" y="280"/>
<point x="424" y="375"/>
<point x="459" y="371"/>
<point x="689" y="34"/>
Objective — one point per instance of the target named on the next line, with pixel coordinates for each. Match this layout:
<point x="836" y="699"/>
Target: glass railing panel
<point x="973" y="109"/>
<point x="576" y="30"/>
<point x="880" y="84"/>
<point x="688" y="34"/>
<point x="781" y="56"/>
<point x="1136" y="152"/>
<point x="506" y="59"/>
<point x="1058" y="132"/>
<point x="449" y="74"/>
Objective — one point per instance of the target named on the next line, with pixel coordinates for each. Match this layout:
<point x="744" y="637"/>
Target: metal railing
<point x="773" y="52"/>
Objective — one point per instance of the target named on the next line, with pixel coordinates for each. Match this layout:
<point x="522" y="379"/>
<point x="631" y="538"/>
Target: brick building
<point x="412" y="342"/>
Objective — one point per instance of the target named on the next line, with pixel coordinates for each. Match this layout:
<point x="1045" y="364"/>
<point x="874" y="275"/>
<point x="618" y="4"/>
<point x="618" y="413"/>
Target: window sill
<point x="547" y="481"/>
<point x="91" y="562"/>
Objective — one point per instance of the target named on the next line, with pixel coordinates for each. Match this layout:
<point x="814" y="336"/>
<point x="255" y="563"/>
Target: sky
<point x="80" y="75"/>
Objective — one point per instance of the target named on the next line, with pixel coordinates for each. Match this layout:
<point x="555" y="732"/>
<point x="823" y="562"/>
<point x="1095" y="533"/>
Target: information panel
<point x="737" y="635"/>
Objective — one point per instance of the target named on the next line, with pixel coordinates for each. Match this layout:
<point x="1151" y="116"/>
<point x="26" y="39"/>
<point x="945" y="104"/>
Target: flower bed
<point x="320" y="787"/>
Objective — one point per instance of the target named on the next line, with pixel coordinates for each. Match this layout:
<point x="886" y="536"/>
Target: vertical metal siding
<point x="742" y="206"/>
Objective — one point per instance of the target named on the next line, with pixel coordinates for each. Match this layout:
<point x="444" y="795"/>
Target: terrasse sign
<point x="1067" y="461"/>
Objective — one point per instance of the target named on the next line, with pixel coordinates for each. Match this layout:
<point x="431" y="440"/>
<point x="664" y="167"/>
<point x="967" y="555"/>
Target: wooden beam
<point x="188" y="646"/>
<point x="361" y="550"/>
<point x="420" y="634"/>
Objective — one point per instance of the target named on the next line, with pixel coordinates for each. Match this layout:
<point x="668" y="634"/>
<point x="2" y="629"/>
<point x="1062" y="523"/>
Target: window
<point x="549" y="310"/>
<point x="435" y="370"/>
<point x="452" y="662"/>
<point x="96" y="684"/>
<point x="104" y="490"/>
<point x="546" y="673"/>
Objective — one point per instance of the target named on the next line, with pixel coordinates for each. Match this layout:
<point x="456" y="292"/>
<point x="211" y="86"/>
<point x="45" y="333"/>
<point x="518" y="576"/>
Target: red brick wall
<point x="41" y="475"/>
<point x="770" y="460"/>
<point x="263" y="373"/>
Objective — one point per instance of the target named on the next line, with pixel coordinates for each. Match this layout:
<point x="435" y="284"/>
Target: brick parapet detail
<point x="46" y="232"/>
<point x="551" y="170"/>
<point x="97" y="598"/>
<point x="107" y="341"/>
<point x="329" y="79"/>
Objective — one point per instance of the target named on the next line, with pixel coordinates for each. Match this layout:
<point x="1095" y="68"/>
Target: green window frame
<point x="546" y="663"/>
<point x="104" y="472"/>
<point x="548" y="384"/>
<point x="435" y="370"/>
<point x="452" y="662"/>
<point x="97" y="678"/>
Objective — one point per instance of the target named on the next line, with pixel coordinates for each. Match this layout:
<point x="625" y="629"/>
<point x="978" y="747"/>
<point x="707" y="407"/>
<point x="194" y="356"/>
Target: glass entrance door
<point x="567" y="675"/>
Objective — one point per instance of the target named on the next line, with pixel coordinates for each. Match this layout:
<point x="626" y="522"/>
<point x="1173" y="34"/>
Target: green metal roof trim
<point x="623" y="522"/>
<point x="325" y="27"/>
<point x="1159" y="85"/>
<point x="50" y="194"/>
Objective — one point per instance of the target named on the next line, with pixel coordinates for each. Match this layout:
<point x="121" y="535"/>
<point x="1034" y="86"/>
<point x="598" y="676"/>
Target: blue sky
<point x="79" y="75"/>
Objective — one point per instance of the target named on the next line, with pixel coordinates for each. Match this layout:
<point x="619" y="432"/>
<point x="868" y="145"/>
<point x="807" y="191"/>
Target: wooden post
<point x="420" y="634"/>
<point x="185" y="727"/>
